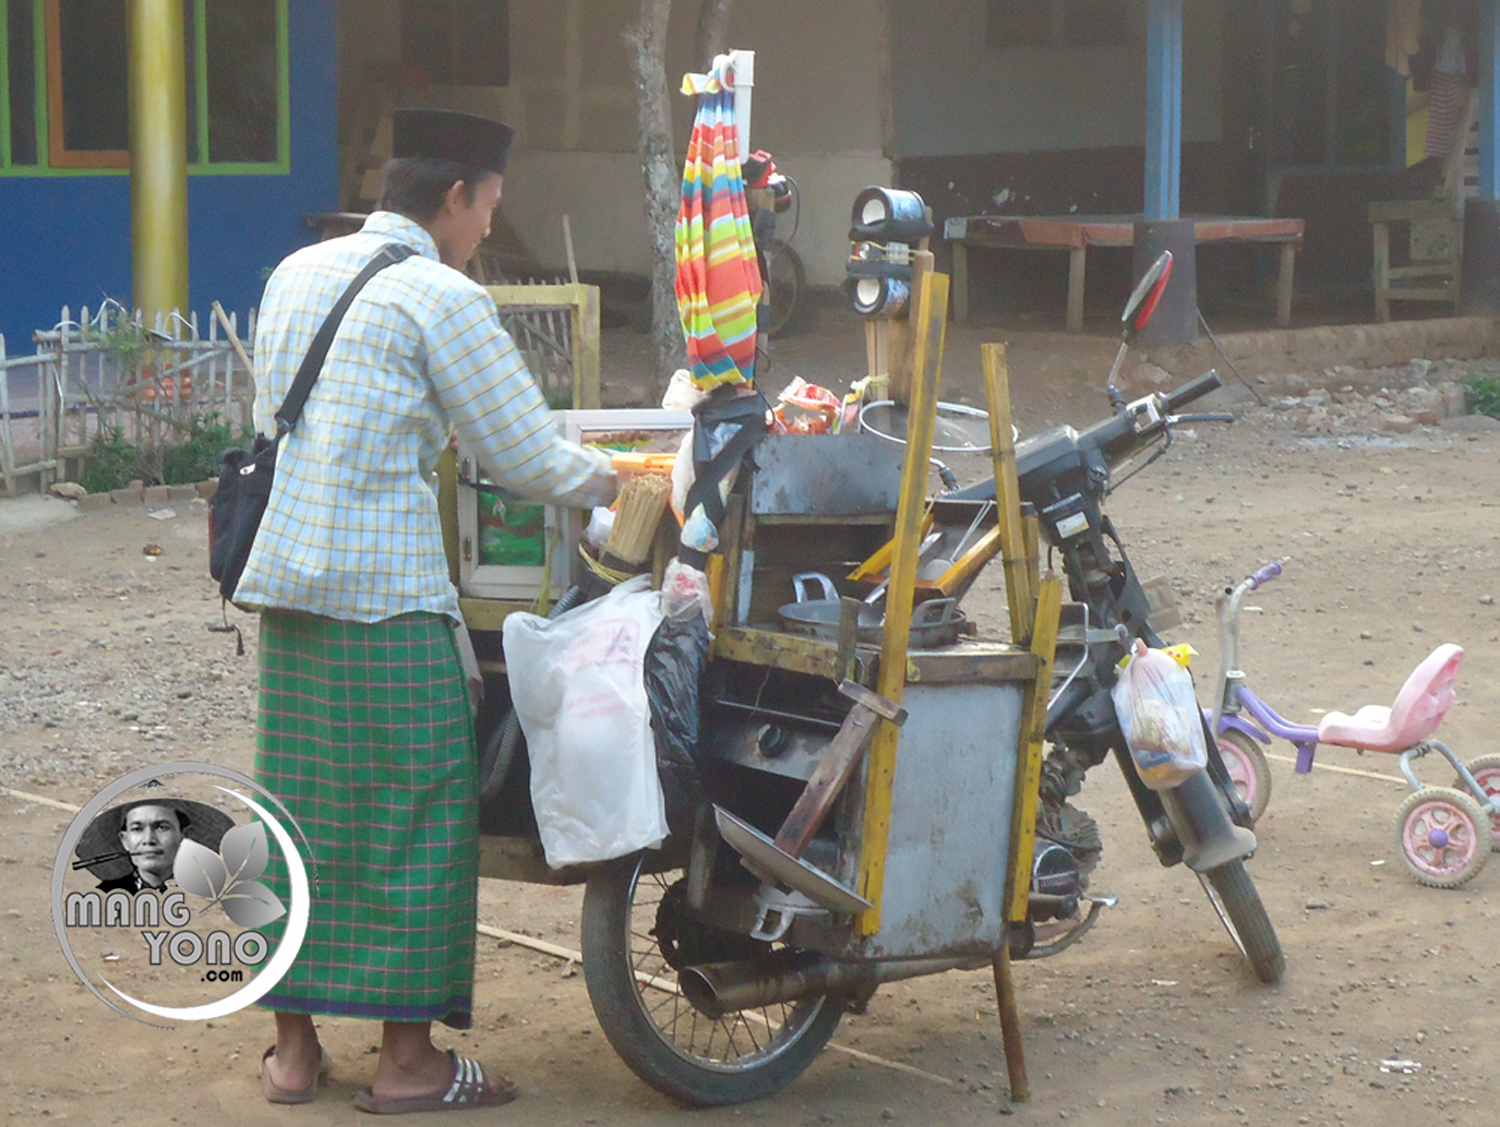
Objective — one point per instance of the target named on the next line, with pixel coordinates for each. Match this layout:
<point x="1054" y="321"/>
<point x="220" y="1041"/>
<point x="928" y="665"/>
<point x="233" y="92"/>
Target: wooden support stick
<point x="234" y="339"/>
<point x="905" y="335"/>
<point x="1018" y="588"/>
<point x="1010" y="1027"/>
<point x="834" y="767"/>
<point x="900" y="595"/>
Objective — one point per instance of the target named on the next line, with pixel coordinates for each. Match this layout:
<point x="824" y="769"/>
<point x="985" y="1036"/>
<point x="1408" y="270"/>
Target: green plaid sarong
<point x="365" y="733"/>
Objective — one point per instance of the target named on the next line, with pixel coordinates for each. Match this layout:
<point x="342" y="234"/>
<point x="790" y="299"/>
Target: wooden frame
<point x="581" y="303"/>
<point x="58" y="154"/>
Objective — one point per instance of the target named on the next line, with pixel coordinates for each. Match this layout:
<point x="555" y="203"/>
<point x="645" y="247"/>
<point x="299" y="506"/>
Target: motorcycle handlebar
<point x="1196" y="389"/>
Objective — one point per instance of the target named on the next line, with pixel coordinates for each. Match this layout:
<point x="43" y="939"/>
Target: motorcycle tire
<point x="682" y="1053"/>
<point x="1235" y="899"/>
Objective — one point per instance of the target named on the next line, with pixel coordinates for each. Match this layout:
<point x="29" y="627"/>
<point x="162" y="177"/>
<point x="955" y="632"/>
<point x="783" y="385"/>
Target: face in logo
<point x="151" y="835"/>
<point x="165" y="854"/>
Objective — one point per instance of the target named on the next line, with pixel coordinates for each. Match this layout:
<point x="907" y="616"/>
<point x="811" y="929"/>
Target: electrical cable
<point x="1220" y="350"/>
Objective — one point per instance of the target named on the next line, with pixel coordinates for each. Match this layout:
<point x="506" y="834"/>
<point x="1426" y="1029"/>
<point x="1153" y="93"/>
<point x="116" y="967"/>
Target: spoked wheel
<point x="1248" y="770"/>
<point x="1234" y="897"/>
<point x="1486" y="772"/>
<point x="787" y="282"/>
<point x="1443" y="835"/>
<point x="637" y="933"/>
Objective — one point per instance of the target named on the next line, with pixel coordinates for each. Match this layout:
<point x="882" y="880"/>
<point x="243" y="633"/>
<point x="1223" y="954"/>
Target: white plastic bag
<point x="579" y="691"/>
<point x="1159" y="714"/>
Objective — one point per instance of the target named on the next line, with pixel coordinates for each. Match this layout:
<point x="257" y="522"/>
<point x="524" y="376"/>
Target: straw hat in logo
<point x="205" y="825"/>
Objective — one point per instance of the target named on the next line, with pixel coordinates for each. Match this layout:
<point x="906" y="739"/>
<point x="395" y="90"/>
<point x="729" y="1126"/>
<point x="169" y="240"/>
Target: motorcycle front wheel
<point x="636" y="931"/>
<point x="1235" y="899"/>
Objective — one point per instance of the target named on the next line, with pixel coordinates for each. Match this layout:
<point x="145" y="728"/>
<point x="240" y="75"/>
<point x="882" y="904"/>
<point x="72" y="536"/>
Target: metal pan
<point x="937" y="622"/>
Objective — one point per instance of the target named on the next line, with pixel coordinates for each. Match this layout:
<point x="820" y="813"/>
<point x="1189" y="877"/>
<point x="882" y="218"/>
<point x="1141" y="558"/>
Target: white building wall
<point x="817" y="108"/>
<point x="954" y="95"/>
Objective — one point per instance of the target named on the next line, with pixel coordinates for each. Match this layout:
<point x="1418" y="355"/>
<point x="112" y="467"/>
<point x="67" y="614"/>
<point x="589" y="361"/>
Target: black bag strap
<point x="312" y="363"/>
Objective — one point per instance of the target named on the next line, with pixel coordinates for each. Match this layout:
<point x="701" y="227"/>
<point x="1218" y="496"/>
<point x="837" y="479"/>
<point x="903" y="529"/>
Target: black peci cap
<point x="450" y="135"/>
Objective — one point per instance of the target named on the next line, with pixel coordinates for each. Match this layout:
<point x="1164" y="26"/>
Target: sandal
<point x="466" y="1088"/>
<point x="277" y="1095"/>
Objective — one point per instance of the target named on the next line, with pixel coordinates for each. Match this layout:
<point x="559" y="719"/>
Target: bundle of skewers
<point x="645" y="492"/>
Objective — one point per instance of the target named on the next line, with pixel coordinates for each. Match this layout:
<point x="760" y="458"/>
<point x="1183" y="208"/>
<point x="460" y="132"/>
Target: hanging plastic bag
<point x="675" y="662"/>
<point x="1160" y="717"/>
<point x="577" y="683"/>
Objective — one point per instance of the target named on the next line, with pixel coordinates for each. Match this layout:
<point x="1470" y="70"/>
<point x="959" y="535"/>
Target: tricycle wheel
<point x="1248" y="770"/>
<point x="1443" y="836"/>
<point x="1486" y="772"/>
<point x="636" y="933"/>
<point x="1234" y="897"/>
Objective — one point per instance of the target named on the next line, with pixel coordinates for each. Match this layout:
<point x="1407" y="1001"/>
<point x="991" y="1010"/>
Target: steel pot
<point x="937" y="622"/>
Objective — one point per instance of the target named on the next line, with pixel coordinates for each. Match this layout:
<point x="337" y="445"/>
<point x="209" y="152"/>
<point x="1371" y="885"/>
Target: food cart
<point x="870" y="784"/>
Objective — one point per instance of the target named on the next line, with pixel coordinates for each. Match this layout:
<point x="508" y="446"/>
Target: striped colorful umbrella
<point x="718" y="276"/>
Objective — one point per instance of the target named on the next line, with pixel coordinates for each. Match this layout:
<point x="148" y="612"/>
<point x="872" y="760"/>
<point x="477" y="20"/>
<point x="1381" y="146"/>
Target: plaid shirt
<point x="352" y="529"/>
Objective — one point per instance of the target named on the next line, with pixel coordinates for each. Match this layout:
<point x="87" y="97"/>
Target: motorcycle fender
<point x="1236" y="724"/>
<point x="1209" y="838"/>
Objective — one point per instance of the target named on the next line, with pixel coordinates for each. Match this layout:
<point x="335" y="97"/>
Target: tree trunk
<point x="713" y="31"/>
<point x="663" y="182"/>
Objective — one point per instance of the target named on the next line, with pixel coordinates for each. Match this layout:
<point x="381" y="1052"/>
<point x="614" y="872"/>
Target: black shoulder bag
<point x="245" y="480"/>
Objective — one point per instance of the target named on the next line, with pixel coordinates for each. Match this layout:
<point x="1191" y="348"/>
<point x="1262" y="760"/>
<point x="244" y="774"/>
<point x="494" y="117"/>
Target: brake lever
<point x="1219" y="417"/>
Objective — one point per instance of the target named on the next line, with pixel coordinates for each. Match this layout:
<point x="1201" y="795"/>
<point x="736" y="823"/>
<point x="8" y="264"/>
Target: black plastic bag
<point x="675" y="662"/>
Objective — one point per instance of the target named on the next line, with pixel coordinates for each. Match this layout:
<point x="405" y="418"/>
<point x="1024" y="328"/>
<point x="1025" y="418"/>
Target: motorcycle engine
<point x="1067" y="851"/>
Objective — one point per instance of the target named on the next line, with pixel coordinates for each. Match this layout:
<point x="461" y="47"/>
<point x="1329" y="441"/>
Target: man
<point x="150" y="833"/>
<point x="365" y="731"/>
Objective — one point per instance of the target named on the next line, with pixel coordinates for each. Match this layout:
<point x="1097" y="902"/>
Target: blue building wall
<point x="65" y="240"/>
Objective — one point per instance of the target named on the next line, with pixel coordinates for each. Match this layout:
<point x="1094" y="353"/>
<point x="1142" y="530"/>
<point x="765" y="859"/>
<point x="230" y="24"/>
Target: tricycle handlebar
<point x="1264" y="575"/>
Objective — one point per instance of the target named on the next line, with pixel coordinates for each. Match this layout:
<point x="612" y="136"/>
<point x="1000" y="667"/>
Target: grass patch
<point x="201" y="454"/>
<point x="113" y="461"/>
<point x="1483" y="395"/>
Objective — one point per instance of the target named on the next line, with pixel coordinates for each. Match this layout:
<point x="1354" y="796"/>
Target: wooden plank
<point x="775" y="650"/>
<point x="912" y="505"/>
<point x="586" y="390"/>
<point x="1284" y="284"/>
<point x="1018" y="590"/>
<point x="1033" y="732"/>
<point x="489" y="614"/>
<point x="961" y="281"/>
<point x="1077" y="263"/>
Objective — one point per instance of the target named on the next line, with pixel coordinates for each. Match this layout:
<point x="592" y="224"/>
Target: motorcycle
<point x="718" y="980"/>
<point x="1065" y="475"/>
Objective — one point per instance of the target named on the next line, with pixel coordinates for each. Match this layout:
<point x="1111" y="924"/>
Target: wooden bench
<point x="1076" y="233"/>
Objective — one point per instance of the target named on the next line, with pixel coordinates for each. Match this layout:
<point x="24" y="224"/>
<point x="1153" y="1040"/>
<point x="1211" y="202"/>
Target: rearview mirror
<point x="1147" y="295"/>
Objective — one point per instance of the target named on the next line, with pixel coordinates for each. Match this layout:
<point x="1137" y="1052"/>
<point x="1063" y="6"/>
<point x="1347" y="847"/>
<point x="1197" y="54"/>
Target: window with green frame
<point x="64" y="75"/>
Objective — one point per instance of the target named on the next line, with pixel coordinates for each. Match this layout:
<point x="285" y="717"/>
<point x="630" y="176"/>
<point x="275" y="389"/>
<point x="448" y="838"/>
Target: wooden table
<point x="1076" y="233"/>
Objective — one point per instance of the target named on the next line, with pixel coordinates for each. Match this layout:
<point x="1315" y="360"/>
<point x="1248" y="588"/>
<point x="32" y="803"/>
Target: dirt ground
<point x="108" y="663"/>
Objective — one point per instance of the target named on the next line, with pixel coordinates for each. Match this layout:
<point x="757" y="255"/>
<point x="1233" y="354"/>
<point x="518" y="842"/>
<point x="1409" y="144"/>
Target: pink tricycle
<point x="1444" y="835"/>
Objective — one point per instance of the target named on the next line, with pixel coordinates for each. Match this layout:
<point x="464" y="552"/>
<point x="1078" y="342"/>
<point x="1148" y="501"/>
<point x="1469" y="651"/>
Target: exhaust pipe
<point x="716" y="989"/>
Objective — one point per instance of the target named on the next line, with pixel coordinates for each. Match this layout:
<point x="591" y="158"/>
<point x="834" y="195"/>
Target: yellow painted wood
<point x="912" y="504"/>
<point x="489" y="614"/>
<point x="1033" y="731"/>
<point x="447" y="473"/>
<point x="878" y="563"/>
<point x="1019" y="593"/>
<point x="583" y="304"/>
<point x="158" y="157"/>
<point x="586" y="349"/>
